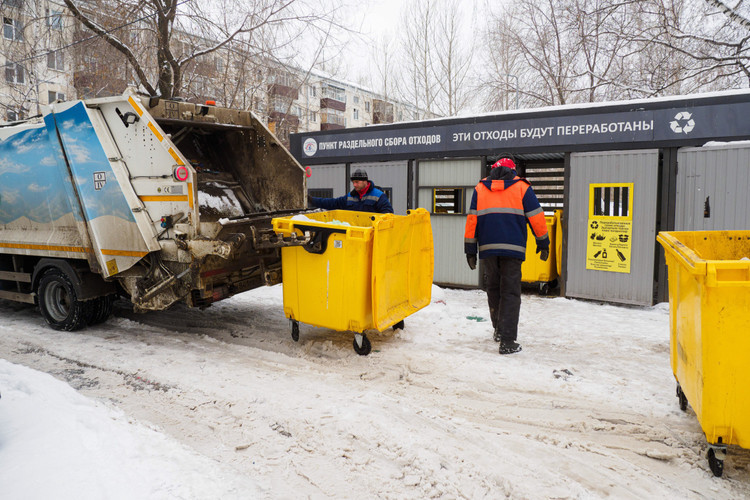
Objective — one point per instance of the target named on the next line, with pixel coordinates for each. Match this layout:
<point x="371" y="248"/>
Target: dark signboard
<point x="572" y="129"/>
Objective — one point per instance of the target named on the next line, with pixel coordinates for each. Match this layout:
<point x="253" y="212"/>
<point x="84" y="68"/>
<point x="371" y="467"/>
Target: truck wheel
<point x="58" y="302"/>
<point x="99" y="309"/>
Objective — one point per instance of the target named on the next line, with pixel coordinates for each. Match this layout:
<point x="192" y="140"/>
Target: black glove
<point x="472" y="261"/>
<point x="544" y="253"/>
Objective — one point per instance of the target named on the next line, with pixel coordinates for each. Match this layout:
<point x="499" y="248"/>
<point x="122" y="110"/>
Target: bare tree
<point x="382" y="73"/>
<point x="436" y="56"/>
<point x="151" y="32"/>
<point x="452" y="58"/>
<point x="593" y="50"/>
<point x="711" y="39"/>
<point x="418" y="85"/>
<point x="596" y="27"/>
<point x="548" y="48"/>
<point x="499" y="81"/>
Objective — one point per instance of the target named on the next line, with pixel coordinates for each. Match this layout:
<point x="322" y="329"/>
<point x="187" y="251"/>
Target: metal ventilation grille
<point x="547" y="179"/>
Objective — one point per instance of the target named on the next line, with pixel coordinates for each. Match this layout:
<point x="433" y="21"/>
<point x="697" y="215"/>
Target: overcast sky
<point x="375" y="19"/>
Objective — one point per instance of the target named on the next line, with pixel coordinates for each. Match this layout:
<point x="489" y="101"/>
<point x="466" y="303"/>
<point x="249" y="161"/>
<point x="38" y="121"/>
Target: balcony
<point x="290" y="121"/>
<point x="330" y="121"/>
<point x="331" y="103"/>
<point x="382" y="111"/>
<point x="277" y="89"/>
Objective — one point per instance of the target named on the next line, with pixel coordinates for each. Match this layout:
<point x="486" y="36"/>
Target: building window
<point x="13" y="115"/>
<point x="56" y="60"/>
<point x="313" y="91"/>
<point x="355" y="113"/>
<point x="356" y="99"/>
<point x="280" y="105"/>
<point x="335" y="93"/>
<point x="53" y="96"/>
<point x="320" y="193"/>
<point x="367" y="106"/>
<point x="54" y="19"/>
<point x="16" y="4"/>
<point x="447" y="201"/>
<point x="12" y="29"/>
<point x="333" y="116"/>
<point x="313" y="116"/>
<point x="14" y="73"/>
<point x="388" y="192"/>
<point x="282" y="78"/>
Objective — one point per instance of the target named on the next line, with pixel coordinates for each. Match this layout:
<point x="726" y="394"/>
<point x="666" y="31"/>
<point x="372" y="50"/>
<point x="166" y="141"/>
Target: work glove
<point x="543" y="253"/>
<point x="472" y="261"/>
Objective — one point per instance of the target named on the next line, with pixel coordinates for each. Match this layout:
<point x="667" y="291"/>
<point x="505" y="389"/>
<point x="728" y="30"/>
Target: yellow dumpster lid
<point x="402" y="266"/>
<point x="723" y="256"/>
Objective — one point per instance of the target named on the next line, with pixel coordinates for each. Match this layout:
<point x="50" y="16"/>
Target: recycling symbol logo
<point x="683" y="123"/>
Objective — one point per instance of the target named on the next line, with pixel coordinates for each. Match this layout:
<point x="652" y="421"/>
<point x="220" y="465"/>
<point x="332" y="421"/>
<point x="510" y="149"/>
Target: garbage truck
<point x="157" y="201"/>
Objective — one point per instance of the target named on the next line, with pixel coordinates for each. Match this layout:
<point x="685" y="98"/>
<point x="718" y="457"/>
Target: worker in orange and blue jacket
<point x="496" y="226"/>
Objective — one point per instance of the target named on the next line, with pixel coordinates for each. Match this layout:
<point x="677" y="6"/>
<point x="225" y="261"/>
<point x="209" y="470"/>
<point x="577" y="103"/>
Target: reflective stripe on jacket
<point x="496" y="223"/>
<point x="374" y="200"/>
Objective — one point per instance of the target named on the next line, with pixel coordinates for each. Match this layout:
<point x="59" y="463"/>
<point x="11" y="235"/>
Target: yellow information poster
<point x="610" y="227"/>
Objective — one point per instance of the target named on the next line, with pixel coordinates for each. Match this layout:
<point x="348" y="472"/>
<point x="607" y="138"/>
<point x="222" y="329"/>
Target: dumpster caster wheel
<point x="295" y="331"/>
<point x="716" y="458"/>
<point x="362" y="344"/>
<point x="681" y="397"/>
<point x="399" y="325"/>
<point x="544" y="288"/>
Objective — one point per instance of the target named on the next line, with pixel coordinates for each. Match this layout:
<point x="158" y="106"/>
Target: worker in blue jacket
<point x="365" y="197"/>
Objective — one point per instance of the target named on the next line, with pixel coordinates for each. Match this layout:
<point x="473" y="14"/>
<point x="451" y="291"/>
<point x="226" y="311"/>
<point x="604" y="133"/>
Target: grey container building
<point x="666" y="153"/>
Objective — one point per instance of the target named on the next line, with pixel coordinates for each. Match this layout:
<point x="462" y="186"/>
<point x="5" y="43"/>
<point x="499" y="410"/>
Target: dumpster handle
<point x="319" y="240"/>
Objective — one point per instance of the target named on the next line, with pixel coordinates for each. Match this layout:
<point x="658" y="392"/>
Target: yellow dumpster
<point x="358" y="271"/>
<point x="534" y="269"/>
<point x="709" y="305"/>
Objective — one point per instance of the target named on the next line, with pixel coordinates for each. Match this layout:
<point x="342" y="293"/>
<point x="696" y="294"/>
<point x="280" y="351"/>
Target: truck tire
<point x="99" y="309"/>
<point x="58" y="302"/>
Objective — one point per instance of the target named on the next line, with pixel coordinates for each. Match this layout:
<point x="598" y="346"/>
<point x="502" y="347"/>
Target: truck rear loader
<point x="157" y="201"/>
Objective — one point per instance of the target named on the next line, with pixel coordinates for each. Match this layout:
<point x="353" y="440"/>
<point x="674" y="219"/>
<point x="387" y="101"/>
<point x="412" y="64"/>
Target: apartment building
<point x="49" y="56"/>
<point x="37" y="67"/>
<point x="332" y="104"/>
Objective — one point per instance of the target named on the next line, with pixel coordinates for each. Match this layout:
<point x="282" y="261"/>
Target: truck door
<point x="117" y="240"/>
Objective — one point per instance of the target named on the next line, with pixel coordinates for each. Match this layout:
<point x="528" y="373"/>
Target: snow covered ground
<point x="223" y="404"/>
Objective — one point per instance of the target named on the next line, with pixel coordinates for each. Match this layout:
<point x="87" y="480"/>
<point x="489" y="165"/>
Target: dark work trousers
<point x="503" y="280"/>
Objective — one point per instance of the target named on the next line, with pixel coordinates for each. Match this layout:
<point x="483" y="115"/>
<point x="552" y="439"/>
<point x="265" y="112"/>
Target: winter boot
<point x="509" y="347"/>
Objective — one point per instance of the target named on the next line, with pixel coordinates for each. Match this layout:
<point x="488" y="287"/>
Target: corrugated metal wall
<point x="712" y="188"/>
<point x="448" y="230"/>
<point x="329" y="176"/>
<point x="393" y="175"/>
<point x="641" y="168"/>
